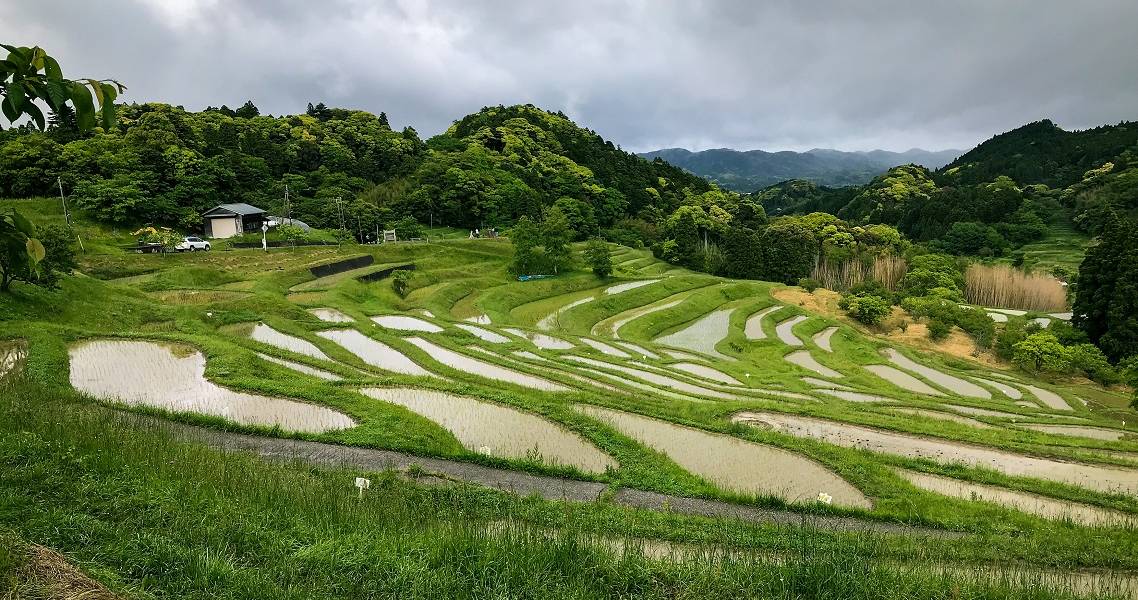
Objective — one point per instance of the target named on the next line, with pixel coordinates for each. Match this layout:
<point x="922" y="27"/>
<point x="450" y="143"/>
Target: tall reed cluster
<point x="840" y="276"/>
<point x="1003" y="286"/>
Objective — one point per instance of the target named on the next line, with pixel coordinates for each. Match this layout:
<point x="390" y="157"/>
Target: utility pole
<point x="67" y="212"/>
<point x="288" y="207"/>
<point x="340" y="211"/>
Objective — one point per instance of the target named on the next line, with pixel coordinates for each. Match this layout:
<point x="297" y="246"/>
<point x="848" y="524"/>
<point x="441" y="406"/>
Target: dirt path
<point x="443" y="472"/>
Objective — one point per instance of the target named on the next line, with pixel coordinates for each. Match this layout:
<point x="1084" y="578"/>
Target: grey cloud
<point x="643" y="73"/>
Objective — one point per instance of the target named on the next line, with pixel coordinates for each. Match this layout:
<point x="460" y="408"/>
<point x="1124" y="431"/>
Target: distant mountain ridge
<point x="750" y="170"/>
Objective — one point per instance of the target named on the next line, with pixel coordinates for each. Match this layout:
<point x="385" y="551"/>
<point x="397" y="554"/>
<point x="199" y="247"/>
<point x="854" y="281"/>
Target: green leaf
<point x="57" y="93"/>
<point x="98" y="89"/>
<point x="84" y="108"/>
<point x="109" y="92"/>
<point x="51" y="69"/>
<point x="36" y="114"/>
<point x="9" y="110"/>
<point x="36" y="251"/>
<point x="16" y="96"/>
<point x="108" y="114"/>
<point x="23" y="225"/>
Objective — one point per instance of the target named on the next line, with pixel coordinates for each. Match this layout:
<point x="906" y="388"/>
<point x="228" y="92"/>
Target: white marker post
<point x="362" y="483"/>
<point x="264" y="236"/>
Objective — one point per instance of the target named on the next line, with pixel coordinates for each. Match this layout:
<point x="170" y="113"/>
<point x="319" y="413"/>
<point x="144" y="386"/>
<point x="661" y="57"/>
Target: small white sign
<point x="362" y="483"/>
<point x="825" y="498"/>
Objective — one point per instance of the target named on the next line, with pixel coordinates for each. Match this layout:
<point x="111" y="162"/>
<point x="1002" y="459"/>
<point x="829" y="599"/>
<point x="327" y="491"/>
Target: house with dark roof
<point x="228" y="220"/>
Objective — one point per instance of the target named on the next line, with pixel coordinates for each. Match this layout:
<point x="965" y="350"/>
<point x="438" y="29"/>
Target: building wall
<point x="223" y="227"/>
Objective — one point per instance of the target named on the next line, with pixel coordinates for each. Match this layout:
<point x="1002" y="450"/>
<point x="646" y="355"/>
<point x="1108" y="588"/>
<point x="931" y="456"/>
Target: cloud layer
<point x="644" y="73"/>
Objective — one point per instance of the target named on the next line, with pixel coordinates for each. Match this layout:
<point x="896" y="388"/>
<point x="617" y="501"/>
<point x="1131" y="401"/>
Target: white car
<point x="189" y="244"/>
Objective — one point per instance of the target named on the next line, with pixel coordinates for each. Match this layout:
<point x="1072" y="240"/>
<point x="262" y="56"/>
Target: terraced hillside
<point x="663" y="398"/>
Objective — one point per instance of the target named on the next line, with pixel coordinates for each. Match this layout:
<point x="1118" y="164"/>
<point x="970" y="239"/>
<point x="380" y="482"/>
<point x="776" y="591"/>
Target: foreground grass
<point x="154" y="517"/>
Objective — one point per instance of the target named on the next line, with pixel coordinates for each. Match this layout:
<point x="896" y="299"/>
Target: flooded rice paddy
<point x="1094" y="477"/>
<point x="852" y="396"/>
<point x="702" y="335"/>
<point x="754" y="326"/>
<point x="482" y="319"/>
<point x="330" y="315"/>
<point x="300" y="367"/>
<point x="983" y="412"/>
<point x="630" y="285"/>
<point x="654" y="378"/>
<point x="406" y="323"/>
<point x="706" y="372"/>
<point x="374" y="352"/>
<point x="954" y="384"/>
<point x="267" y="335"/>
<point x="1041" y="506"/>
<point x="483" y="334"/>
<point x="1096" y="433"/>
<point x="638" y="349"/>
<point x="822" y="383"/>
<point x="541" y="340"/>
<point x="1003" y="388"/>
<point x="552" y="320"/>
<point x="681" y="355"/>
<point x="497" y="430"/>
<point x="785" y="330"/>
<point x="462" y="362"/>
<point x="1048" y="398"/>
<point x="822" y="338"/>
<point x="611" y="326"/>
<point x="604" y="348"/>
<point x="805" y="360"/>
<point x="942" y="416"/>
<point x="903" y="380"/>
<point x="170" y="377"/>
<point x="735" y="464"/>
<point x="12" y="357"/>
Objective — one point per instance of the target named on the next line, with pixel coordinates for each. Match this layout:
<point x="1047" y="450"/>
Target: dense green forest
<point x="163" y="165"/>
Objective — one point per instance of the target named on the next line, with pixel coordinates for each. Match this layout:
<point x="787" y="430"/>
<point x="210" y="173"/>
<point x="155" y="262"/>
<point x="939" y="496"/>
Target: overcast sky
<point x="646" y="74"/>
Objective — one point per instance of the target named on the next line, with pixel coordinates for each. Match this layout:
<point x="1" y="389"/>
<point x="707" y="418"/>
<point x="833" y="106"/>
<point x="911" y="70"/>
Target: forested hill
<point x="745" y="171"/>
<point x="503" y="162"/>
<point x="1041" y="152"/>
<point x="165" y="165"/>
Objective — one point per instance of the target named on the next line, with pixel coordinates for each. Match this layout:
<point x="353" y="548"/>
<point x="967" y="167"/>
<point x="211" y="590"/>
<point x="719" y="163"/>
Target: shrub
<point x="939" y="329"/>
<point x="407" y="228"/>
<point x="598" y="258"/>
<point x="1041" y="352"/>
<point x="1088" y="359"/>
<point x="399" y="281"/>
<point x="809" y="284"/>
<point x="1012" y="333"/>
<point x="977" y="324"/>
<point x="870" y="310"/>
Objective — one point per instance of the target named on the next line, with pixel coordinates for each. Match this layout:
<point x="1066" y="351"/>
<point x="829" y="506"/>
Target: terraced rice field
<point x="172" y="378"/>
<point x="702" y="335"/>
<point x="499" y="430"/>
<point x="267" y="335"/>
<point x="374" y="352"/>
<point x="712" y="394"/>
<point x="1111" y="480"/>
<point x="735" y="464"/>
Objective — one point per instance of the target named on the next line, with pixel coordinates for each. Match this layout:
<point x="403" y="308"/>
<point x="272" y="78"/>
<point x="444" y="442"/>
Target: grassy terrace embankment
<point x="148" y="514"/>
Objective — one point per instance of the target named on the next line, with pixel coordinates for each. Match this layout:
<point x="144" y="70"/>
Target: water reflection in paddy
<point x="173" y="378"/>
<point x="499" y="430"/>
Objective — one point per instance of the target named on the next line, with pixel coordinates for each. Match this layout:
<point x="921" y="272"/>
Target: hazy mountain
<point x="746" y="171"/>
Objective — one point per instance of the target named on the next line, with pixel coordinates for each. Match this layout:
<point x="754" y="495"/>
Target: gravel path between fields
<point x="446" y="472"/>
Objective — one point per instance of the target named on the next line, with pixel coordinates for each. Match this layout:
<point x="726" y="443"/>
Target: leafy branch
<point x="28" y="75"/>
